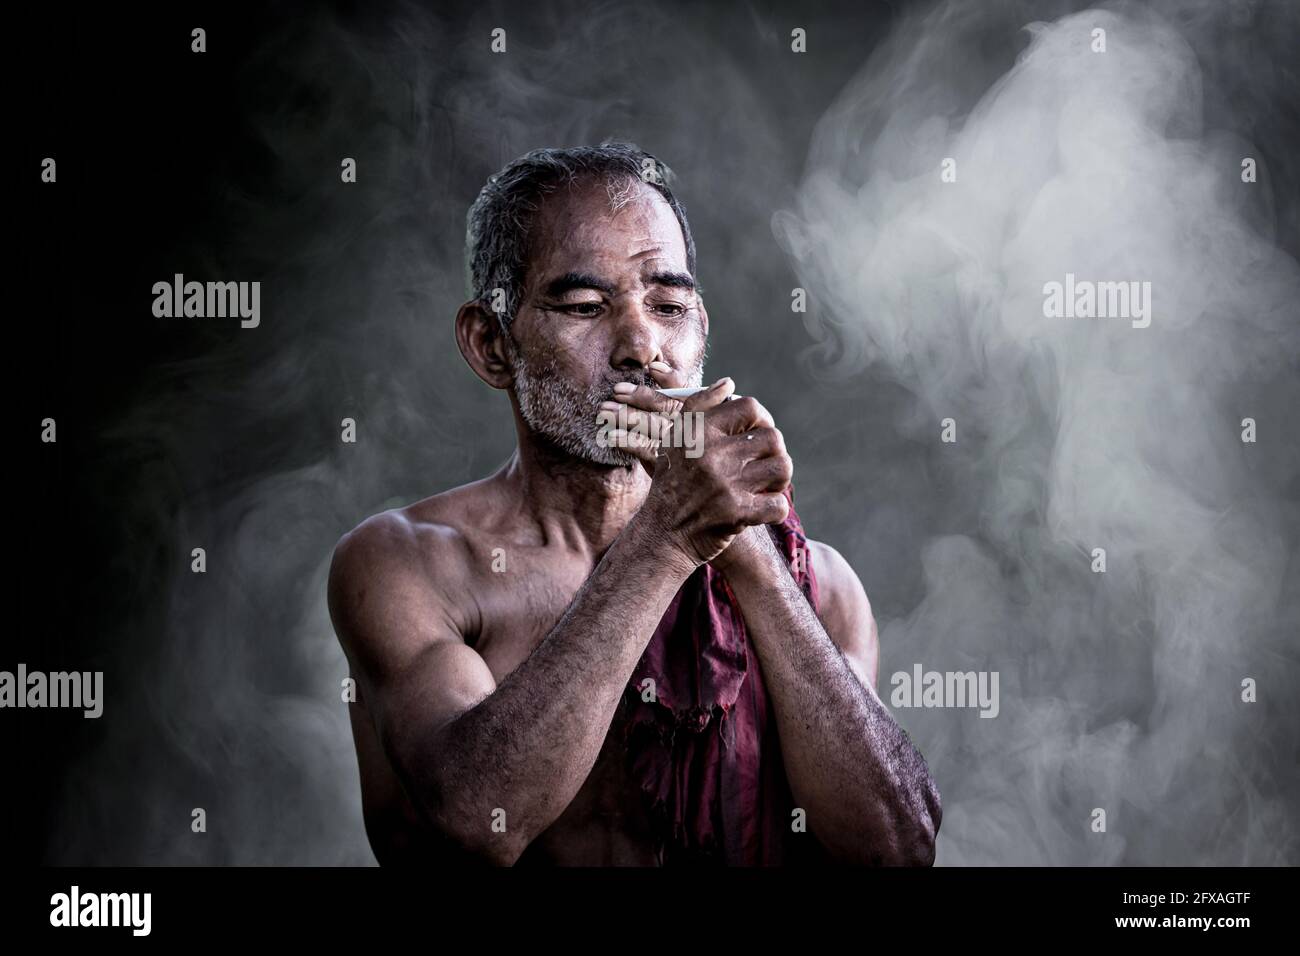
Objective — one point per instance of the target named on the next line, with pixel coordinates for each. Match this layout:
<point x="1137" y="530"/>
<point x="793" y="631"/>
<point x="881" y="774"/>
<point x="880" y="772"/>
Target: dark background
<point x="221" y="690"/>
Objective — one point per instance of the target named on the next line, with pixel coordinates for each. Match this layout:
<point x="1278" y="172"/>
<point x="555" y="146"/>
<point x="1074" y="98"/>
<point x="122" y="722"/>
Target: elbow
<point x="454" y="815"/>
<point x="496" y="850"/>
<point x="478" y="836"/>
<point x="414" y="835"/>
<point x="920" y="847"/>
<point x="913" y="845"/>
<point x="913" y="838"/>
<point x="910" y="841"/>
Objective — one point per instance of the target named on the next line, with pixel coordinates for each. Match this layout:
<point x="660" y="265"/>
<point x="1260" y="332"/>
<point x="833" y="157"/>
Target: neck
<point x="581" y="504"/>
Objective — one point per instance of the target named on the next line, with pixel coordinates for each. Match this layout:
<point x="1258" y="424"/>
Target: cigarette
<point x="688" y="391"/>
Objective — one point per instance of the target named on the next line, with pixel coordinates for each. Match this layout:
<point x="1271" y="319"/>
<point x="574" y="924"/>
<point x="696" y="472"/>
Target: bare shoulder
<point x="846" y="610"/>
<point x="396" y="544"/>
<point x="399" y="567"/>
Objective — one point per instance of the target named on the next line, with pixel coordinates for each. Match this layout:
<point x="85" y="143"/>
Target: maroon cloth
<point x="705" y="753"/>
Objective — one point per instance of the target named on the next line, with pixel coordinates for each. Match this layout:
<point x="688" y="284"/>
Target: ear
<point x="482" y="343"/>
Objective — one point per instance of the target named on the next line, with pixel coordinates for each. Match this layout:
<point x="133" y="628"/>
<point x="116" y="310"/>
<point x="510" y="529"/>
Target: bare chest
<point x="517" y="606"/>
<point x="605" y="823"/>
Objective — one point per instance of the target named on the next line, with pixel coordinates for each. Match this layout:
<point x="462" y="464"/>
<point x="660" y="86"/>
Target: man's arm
<point x="463" y="746"/>
<point x="867" y="791"/>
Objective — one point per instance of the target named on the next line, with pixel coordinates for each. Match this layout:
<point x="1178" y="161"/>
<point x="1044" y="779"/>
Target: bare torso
<point x="505" y="615"/>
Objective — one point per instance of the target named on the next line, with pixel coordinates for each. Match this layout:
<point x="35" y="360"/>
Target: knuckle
<point x="759" y="411"/>
<point x="769" y="439"/>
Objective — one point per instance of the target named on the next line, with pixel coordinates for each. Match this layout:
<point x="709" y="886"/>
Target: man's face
<point x="607" y="292"/>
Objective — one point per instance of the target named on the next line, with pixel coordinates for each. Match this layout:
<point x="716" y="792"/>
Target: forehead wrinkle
<point x="579" y="236"/>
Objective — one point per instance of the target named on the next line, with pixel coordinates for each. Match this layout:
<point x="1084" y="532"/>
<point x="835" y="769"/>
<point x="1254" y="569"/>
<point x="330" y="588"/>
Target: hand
<point x="700" y="504"/>
<point x="639" y="427"/>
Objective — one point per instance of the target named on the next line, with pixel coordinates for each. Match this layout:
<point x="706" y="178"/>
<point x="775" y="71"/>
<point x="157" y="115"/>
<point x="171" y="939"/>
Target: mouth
<point x="635" y="379"/>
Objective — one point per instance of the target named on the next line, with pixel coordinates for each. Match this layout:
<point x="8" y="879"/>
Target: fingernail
<point x="611" y="406"/>
<point x="624" y="388"/>
<point x="661" y="366"/>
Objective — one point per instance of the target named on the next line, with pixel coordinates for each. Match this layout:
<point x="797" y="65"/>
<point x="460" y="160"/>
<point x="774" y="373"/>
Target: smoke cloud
<point x="1121" y="690"/>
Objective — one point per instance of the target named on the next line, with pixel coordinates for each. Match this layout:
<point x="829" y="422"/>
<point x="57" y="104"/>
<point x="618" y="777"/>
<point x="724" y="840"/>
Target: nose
<point x="636" y="341"/>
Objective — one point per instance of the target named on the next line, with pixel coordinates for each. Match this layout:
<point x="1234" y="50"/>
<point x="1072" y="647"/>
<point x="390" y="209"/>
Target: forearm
<point x="527" y="748"/>
<point x="867" y="791"/>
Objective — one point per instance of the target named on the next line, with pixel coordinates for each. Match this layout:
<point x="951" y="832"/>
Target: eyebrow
<point x="675" y="280"/>
<point x="585" y="280"/>
<point x="577" y="280"/>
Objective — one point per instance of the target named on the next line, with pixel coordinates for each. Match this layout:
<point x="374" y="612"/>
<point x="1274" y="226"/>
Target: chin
<point x="585" y="449"/>
<point x="610" y="457"/>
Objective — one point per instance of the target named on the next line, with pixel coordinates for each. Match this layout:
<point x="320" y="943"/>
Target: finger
<point x="769" y="474"/>
<point x="645" y="397"/>
<point x="742" y="415"/>
<point x="650" y="424"/>
<point x="714" y="395"/>
<point x="771" y="508"/>
<point x="666" y="376"/>
<point x="613" y="428"/>
<point x="758" y="442"/>
<point x="634" y="442"/>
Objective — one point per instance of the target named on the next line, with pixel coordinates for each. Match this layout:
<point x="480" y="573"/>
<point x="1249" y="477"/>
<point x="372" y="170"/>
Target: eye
<point x="669" y="309"/>
<point x="588" y="309"/>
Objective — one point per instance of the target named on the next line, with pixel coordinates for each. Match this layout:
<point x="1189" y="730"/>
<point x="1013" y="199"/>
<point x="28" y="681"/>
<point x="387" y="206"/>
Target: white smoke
<point x="1119" y="690"/>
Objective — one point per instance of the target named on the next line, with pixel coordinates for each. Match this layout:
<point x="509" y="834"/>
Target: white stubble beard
<point x="565" y="414"/>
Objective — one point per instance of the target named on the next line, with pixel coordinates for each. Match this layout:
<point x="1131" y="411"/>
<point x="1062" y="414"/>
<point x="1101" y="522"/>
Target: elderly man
<point x="618" y="648"/>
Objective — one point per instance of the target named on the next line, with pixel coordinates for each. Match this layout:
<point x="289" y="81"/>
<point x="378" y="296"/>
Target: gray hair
<point x="499" y="222"/>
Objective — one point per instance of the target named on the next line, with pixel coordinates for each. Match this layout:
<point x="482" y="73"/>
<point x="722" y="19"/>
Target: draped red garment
<point x="705" y="752"/>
